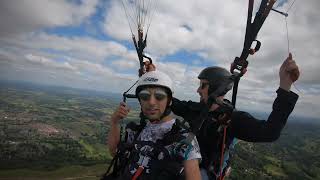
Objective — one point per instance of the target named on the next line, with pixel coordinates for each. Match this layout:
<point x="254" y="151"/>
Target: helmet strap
<point x="166" y="112"/>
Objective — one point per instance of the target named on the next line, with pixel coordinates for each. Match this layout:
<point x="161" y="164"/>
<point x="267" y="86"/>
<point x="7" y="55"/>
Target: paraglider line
<point x="288" y="41"/>
<point x="290" y="6"/>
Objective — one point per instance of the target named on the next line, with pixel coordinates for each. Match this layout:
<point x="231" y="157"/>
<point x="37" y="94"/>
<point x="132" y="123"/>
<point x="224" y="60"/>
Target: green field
<point x="67" y="172"/>
<point x="48" y="133"/>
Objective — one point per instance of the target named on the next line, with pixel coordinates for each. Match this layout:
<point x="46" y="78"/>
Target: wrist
<point x="285" y="86"/>
<point x="114" y="121"/>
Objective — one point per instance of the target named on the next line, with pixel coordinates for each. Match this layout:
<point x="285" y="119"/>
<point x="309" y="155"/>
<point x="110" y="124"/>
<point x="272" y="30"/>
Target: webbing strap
<point x="252" y="30"/>
<point x="138" y="172"/>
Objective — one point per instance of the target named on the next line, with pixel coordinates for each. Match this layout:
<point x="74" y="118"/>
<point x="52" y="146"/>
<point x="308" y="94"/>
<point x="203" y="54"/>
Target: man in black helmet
<point x="213" y="78"/>
<point x="217" y="131"/>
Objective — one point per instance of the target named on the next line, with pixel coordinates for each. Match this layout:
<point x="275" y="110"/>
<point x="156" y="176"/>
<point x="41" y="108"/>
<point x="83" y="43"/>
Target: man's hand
<point x="149" y="66"/>
<point x="289" y="73"/>
<point x="114" y="133"/>
<point x="120" y="113"/>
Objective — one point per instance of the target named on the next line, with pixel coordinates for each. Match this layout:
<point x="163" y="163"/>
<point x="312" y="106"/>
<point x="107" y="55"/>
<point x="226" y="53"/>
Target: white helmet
<point x="155" y="78"/>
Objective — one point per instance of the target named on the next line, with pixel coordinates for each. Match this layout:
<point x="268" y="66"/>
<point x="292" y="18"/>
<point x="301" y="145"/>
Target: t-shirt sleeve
<point x="191" y="151"/>
<point x="195" y="151"/>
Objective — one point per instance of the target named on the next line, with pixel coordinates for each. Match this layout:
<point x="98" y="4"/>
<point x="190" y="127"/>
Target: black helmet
<point x="216" y="76"/>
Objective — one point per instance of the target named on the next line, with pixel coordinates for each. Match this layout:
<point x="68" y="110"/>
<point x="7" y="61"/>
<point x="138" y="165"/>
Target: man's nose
<point x="152" y="99"/>
<point x="198" y="90"/>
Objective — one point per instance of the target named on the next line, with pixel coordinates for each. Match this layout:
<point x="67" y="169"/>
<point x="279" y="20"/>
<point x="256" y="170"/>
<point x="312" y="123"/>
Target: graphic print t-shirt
<point x="153" y="132"/>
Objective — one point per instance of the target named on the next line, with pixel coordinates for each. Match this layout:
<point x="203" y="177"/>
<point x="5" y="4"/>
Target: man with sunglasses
<point x="240" y="125"/>
<point x="158" y="151"/>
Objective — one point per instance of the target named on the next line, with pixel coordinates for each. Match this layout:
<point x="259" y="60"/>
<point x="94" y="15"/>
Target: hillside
<point x="295" y="155"/>
<point x="60" y="132"/>
<point x="43" y="126"/>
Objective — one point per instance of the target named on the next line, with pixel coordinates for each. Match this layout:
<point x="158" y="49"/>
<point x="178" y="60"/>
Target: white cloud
<point x="214" y="30"/>
<point x="180" y="25"/>
<point x="30" y="15"/>
<point x="83" y="47"/>
<point x="125" y="64"/>
<point x="45" y="62"/>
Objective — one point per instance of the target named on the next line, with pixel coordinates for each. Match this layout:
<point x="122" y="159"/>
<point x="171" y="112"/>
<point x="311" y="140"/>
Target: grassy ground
<point x="66" y="173"/>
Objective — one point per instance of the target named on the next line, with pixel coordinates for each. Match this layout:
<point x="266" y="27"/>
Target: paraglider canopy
<point x="139" y="14"/>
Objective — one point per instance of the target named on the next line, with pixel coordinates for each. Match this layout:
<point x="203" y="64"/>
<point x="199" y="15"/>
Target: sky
<point x="87" y="44"/>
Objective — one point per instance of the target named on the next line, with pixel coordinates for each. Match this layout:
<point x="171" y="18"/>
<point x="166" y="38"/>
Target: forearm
<point x="191" y="169"/>
<point x="281" y="109"/>
<point x="285" y="86"/>
<point x="247" y="128"/>
<point x="178" y="107"/>
<point x="185" y="109"/>
<point x="113" y="137"/>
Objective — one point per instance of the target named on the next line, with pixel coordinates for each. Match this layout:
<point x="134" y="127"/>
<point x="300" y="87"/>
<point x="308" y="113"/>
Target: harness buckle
<point x="239" y="65"/>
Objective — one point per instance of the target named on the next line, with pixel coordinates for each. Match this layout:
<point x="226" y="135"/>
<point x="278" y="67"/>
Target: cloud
<point x="83" y="47"/>
<point x="217" y="33"/>
<point x="45" y="62"/>
<point x="31" y="15"/>
<point x="179" y="25"/>
<point x="184" y="79"/>
<point x="212" y="31"/>
<point x="75" y="73"/>
<point x="125" y="64"/>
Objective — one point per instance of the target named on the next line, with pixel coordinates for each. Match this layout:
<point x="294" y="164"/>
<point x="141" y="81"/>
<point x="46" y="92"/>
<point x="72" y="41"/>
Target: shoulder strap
<point x="123" y="146"/>
<point x="174" y="135"/>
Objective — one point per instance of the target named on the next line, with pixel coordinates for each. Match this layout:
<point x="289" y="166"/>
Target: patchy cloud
<point x="212" y="31"/>
<point x="31" y="15"/>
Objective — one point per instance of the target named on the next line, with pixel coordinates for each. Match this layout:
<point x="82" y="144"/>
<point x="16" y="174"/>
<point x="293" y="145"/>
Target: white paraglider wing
<point x="139" y="14"/>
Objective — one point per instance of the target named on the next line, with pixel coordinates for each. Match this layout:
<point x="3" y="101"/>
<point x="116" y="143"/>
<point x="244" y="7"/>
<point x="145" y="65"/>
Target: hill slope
<point x="48" y="128"/>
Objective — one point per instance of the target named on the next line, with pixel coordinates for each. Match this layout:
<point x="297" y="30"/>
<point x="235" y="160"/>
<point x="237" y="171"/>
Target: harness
<point x="239" y="64"/>
<point x="119" y="161"/>
<point x="214" y="131"/>
<point x="146" y="159"/>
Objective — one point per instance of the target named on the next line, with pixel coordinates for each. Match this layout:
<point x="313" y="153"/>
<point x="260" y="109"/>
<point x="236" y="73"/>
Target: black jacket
<point x="242" y="126"/>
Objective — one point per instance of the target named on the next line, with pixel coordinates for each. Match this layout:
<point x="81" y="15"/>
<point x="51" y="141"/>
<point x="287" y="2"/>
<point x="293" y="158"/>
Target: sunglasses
<point x="203" y="85"/>
<point x="159" y="95"/>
